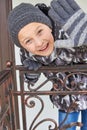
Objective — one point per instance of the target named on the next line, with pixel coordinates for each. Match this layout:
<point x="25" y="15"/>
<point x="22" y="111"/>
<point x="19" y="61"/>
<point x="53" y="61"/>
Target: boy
<point x="39" y="38"/>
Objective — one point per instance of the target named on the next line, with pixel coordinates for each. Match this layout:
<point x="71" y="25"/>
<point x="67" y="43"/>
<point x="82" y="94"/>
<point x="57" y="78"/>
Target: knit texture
<point x="73" y="20"/>
<point x="22" y="15"/>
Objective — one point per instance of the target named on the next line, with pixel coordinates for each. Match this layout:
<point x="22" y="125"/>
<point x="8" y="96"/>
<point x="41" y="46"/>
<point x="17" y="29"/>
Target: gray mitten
<point x="72" y="19"/>
<point x="31" y="64"/>
<point x="32" y="78"/>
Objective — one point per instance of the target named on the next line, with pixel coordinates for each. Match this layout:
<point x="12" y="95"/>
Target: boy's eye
<point x="40" y="31"/>
<point x="28" y="41"/>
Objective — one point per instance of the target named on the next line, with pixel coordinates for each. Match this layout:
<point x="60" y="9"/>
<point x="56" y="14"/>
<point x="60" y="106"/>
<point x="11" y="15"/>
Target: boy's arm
<point x="30" y="65"/>
<point x="72" y="19"/>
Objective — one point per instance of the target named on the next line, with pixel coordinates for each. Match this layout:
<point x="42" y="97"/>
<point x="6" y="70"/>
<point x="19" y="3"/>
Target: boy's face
<point x="37" y="38"/>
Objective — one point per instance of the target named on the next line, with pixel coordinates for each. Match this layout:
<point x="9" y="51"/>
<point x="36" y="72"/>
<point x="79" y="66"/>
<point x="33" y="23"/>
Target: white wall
<point x="48" y="111"/>
<point x="83" y="4"/>
<point x="15" y="2"/>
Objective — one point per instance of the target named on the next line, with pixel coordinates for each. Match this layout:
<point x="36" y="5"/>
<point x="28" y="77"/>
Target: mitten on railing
<point x="32" y="78"/>
<point x="73" y="20"/>
<point x="30" y="64"/>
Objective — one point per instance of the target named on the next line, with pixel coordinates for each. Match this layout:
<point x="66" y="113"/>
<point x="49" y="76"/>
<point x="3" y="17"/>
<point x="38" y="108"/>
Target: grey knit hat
<point x="22" y="15"/>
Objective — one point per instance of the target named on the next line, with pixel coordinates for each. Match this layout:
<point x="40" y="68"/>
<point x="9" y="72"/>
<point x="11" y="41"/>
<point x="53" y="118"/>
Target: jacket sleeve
<point x="30" y="64"/>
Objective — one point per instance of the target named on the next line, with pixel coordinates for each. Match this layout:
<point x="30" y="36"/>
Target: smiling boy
<point x="39" y="38"/>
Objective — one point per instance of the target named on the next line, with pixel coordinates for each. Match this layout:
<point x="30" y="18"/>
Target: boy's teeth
<point x="44" y="48"/>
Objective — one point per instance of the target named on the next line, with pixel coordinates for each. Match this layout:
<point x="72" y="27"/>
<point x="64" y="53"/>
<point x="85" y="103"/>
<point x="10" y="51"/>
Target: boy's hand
<point x="32" y="78"/>
<point x="72" y="19"/>
<point x="31" y="65"/>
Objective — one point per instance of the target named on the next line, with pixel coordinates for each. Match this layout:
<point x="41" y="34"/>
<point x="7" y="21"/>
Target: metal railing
<point x="6" y="112"/>
<point x="28" y="96"/>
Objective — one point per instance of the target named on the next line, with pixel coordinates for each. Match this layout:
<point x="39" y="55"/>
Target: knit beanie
<point x="22" y="15"/>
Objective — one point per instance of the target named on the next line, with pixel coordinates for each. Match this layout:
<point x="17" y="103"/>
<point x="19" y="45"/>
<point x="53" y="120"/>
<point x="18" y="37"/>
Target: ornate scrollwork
<point x="33" y="88"/>
<point x="60" y="86"/>
<point x="74" y="85"/>
<point x="31" y="104"/>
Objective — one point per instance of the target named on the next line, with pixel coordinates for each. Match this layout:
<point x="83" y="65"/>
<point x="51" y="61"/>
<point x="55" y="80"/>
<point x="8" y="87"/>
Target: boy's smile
<point x="37" y="38"/>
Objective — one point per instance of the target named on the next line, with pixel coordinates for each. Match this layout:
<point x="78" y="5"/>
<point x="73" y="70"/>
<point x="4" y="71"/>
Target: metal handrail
<point x="82" y="68"/>
<point x="6" y="82"/>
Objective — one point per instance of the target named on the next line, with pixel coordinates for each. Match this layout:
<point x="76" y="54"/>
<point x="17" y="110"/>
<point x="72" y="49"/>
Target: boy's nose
<point x="38" y="42"/>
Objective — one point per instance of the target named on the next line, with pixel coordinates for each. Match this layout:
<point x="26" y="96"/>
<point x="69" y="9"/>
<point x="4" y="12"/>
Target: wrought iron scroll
<point x="36" y="92"/>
